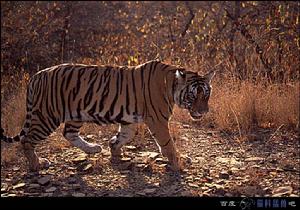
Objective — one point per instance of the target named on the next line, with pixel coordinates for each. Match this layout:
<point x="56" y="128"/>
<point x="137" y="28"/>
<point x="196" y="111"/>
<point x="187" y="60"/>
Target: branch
<point x="189" y="22"/>
<point x="242" y="28"/>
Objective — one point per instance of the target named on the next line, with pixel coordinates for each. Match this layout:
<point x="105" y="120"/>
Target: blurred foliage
<point x="241" y="39"/>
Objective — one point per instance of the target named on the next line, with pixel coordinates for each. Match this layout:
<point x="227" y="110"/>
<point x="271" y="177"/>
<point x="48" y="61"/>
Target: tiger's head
<point x="192" y="92"/>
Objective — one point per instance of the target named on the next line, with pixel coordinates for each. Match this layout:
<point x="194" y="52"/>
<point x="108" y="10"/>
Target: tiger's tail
<point x="11" y="139"/>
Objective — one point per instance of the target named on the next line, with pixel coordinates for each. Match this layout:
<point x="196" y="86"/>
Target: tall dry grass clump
<point x="243" y="106"/>
<point x="13" y="109"/>
<point x="13" y="112"/>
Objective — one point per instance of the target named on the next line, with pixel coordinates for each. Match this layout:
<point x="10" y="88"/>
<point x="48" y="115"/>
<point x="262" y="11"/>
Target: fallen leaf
<point x="153" y="155"/>
<point x="254" y="159"/>
<point x="130" y="147"/>
<point x="20" y="185"/>
<point x="80" y="158"/>
<point x="105" y="152"/>
<point x="78" y="194"/>
<point x="125" y="159"/>
<point x="33" y="186"/>
<point x="88" y="167"/>
<point x="91" y="136"/>
<point x="51" y="189"/>
<point x="193" y="185"/>
<point x="285" y="190"/>
<point x="149" y="190"/>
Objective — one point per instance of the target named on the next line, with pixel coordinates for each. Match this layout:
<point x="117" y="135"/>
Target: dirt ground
<point x="266" y="164"/>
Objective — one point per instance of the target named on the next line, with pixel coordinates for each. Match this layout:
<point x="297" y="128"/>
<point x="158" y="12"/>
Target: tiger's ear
<point x="180" y="76"/>
<point x="209" y="76"/>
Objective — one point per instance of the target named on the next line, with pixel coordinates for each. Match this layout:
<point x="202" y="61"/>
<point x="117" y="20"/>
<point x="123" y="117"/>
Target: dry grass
<point x="244" y="106"/>
<point x="12" y="118"/>
<point x="13" y="109"/>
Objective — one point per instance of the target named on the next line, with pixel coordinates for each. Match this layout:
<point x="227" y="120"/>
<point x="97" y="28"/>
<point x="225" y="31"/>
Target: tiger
<point x="74" y="94"/>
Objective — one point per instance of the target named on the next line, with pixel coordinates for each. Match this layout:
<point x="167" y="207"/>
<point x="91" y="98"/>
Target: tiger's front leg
<point x="166" y="144"/>
<point x="124" y="135"/>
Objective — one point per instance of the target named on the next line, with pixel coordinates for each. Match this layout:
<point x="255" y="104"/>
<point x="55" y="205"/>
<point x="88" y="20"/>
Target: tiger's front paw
<point x="44" y="163"/>
<point x="177" y="166"/>
<point x="91" y="148"/>
<point x="38" y="164"/>
<point x="115" y="150"/>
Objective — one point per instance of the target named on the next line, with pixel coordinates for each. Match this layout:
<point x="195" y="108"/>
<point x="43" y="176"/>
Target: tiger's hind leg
<point x="35" y="163"/>
<point x="38" y="130"/>
<point x="124" y="135"/>
<point x="71" y="133"/>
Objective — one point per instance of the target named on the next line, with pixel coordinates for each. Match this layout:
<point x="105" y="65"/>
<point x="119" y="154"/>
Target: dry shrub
<point x="13" y="112"/>
<point x="279" y="104"/>
<point x="12" y="117"/>
<point x="242" y="106"/>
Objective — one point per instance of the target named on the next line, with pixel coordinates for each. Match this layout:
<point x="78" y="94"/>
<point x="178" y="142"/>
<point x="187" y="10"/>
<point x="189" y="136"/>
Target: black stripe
<point x="50" y="113"/>
<point x="107" y="117"/>
<point x="37" y="91"/>
<point x="56" y="88"/>
<point x="63" y="100"/>
<point x="88" y="96"/>
<point x="27" y="125"/>
<point x="37" y="137"/>
<point x="121" y="80"/>
<point x="70" y="125"/>
<point x="173" y="88"/>
<point x="134" y="92"/>
<point x="79" y="109"/>
<point x="143" y="89"/>
<point x="22" y="133"/>
<point x="165" y="117"/>
<point x="163" y="68"/>
<point x="43" y="123"/>
<point x="69" y="105"/>
<point x="93" y="73"/>
<point x="69" y="78"/>
<point x="16" y="138"/>
<point x="183" y="91"/>
<point x="36" y="131"/>
<point x="106" y="88"/>
<point x="127" y="99"/>
<point x="76" y="89"/>
<point x="100" y="120"/>
<point x="52" y="92"/>
<point x="101" y="80"/>
<point x="149" y="90"/>
<point x="120" y="115"/>
<point x="92" y="110"/>
<point x="112" y="107"/>
<point x="10" y="140"/>
<point x="71" y="130"/>
<point x="154" y="68"/>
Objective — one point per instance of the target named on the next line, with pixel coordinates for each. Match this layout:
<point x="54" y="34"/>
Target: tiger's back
<point x="100" y="94"/>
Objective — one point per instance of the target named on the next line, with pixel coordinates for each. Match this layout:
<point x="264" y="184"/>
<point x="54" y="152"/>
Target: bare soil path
<point x="217" y="166"/>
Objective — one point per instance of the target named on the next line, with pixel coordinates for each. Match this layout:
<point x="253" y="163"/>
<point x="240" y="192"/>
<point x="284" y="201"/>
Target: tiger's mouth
<point x="196" y="116"/>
